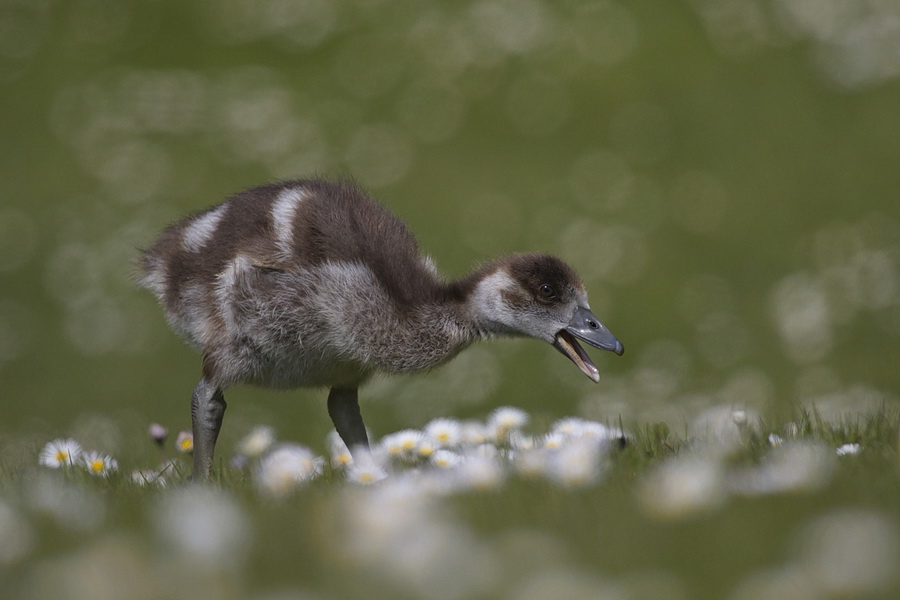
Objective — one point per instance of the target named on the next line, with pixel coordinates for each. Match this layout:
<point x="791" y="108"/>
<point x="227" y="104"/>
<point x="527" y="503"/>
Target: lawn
<point x="502" y="509"/>
<point x="723" y="176"/>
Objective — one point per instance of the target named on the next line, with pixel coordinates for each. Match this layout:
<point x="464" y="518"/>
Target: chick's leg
<point x="207" y="409"/>
<point x="343" y="407"/>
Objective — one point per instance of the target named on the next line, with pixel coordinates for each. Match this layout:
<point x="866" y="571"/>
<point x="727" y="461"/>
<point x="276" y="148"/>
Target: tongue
<point x="567" y="344"/>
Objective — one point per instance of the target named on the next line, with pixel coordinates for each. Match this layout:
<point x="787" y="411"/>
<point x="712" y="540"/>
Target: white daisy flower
<point x="338" y="451"/>
<point x="504" y="420"/>
<point x="99" y="464"/>
<point x="484" y="451"/>
<point x="409" y="440"/>
<point x="576" y="464"/>
<point x="170" y="468"/>
<point x="426" y="447"/>
<point x="145" y="477"/>
<point x="553" y="440"/>
<point x="848" y="449"/>
<point x="16" y="535"/>
<point x="576" y="427"/>
<point x="402" y="444"/>
<point x="520" y="441"/>
<point x="682" y="486"/>
<point x="446" y="459"/>
<point x="480" y="473"/>
<point x="473" y="433"/>
<point x="257" y="442"/>
<point x="366" y="470"/>
<point x="791" y="467"/>
<point x="598" y="431"/>
<point x="390" y="445"/>
<point x="185" y="441"/>
<point x="568" y="427"/>
<point x="445" y="433"/>
<point x="205" y="525"/>
<point x="532" y="464"/>
<point x="60" y="452"/>
<point x="283" y="469"/>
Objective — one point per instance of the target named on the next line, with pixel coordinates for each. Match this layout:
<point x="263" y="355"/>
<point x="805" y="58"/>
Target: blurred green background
<point x="723" y="174"/>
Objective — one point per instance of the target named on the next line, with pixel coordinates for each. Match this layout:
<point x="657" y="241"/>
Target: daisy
<point x="568" y="427"/>
<point x="504" y="420"/>
<point x="185" y="441"/>
<point x="391" y="445"/>
<point x="337" y="449"/>
<point x="98" y="464"/>
<point x="170" y="468"/>
<point x="599" y="431"/>
<point x="257" y="442"/>
<point x="847" y="449"/>
<point x="445" y="433"/>
<point x="284" y="468"/>
<point x="480" y="473"/>
<point x="520" y="441"/>
<point x="366" y="470"/>
<point x="409" y="440"/>
<point x="426" y="448"/>
<point x="576" y="464"/>
<point x="446" y="459"/>
<point x="485" y="450"/>
<point x="682" y="486"/>
<point x="402" y="444"/>
<point x="553" y="440"/>
<point x="144" y="477"/>
<point x="60" y="452"/>
<point x="473" y="433"/>
<point x="532" y="464"/>
<point x="205" y="525"/>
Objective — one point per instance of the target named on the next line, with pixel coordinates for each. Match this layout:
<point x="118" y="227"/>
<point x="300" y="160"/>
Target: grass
<point x="761" y="511"/>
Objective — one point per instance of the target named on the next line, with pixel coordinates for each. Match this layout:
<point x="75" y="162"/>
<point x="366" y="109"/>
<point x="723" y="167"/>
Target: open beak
<point x="586" y="327"/>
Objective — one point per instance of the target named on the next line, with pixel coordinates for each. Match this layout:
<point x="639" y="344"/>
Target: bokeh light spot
<point x="18" y="238"/>
<point x="430" y="111"/>
<point x="537" y="106"/>
<point x="802" y="317"/>
<point x="699" y="202"/>
<point x="380" y="155"/>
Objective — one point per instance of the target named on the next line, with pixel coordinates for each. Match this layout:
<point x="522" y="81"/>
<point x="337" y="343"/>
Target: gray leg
<point x="343" y="407"/>
<point x="207" y="409"/>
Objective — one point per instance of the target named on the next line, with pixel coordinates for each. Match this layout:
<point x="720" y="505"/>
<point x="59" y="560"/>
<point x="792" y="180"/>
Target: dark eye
<point x="547" y="292"/>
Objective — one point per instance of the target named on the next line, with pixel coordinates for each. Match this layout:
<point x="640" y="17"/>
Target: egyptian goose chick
<point x="312" y="283"/>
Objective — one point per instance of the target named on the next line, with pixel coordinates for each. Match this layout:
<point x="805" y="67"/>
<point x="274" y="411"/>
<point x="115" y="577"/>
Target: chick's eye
<point x="547" y="292"/>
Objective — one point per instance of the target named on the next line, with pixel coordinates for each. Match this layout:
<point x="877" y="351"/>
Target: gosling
<point x="311" y="283"/>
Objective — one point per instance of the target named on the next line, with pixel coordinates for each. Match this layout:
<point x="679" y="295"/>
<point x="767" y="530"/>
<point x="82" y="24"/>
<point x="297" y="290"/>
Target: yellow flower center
<point x="97" y="465"/>
<point x="187" y="444"/>
<point x="62" y="455"/>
